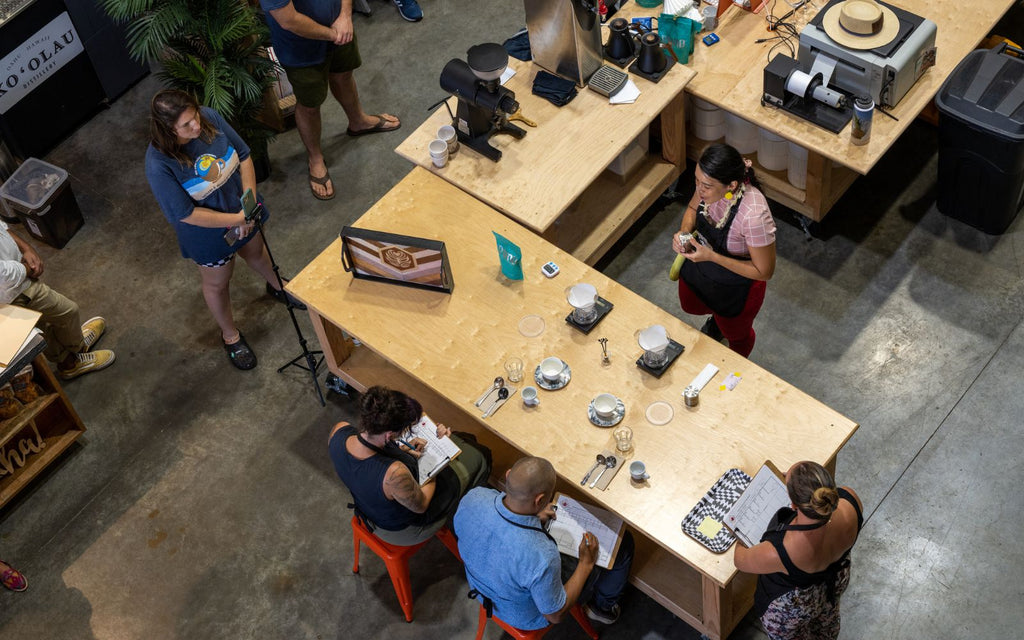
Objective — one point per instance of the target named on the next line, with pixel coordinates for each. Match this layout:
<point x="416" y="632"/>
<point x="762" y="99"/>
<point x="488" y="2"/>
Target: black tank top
<point x="772" y="585"/>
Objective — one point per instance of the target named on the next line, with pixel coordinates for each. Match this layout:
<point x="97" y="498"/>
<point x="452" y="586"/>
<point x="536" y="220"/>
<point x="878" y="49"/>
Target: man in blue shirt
<point x="316" y="45"/>
<point x="511" y="560"/>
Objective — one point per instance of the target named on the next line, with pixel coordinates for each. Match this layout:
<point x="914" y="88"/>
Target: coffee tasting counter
<point x="730" y="75"/>
<point x="446" y="349"/>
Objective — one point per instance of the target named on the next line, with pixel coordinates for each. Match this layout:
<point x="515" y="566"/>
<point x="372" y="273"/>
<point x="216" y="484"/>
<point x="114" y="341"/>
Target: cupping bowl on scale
<point x="606" y="410"/>
<point x="552" y="374"/>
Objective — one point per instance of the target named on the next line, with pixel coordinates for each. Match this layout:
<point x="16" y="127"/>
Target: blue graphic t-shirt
<point x="211" y="180"/>
<point x="294" y="50"/>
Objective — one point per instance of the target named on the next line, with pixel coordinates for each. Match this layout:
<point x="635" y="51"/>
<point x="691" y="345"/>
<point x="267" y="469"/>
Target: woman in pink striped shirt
<point x="732" y="253"/>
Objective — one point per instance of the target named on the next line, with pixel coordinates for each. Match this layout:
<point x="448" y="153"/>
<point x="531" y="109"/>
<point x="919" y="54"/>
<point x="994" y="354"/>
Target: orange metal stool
<point x="396" y="559"/>
<point x="536" y="634"/>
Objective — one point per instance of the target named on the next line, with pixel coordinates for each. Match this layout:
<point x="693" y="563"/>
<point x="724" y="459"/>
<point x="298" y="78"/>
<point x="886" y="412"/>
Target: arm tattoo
<point x="405" y="490"/>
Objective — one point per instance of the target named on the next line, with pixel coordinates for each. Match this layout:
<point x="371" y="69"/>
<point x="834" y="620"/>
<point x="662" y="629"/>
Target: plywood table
<point x="553" y="180"/>
<point x="731" y="76"/>
<point x="445" y="349"/>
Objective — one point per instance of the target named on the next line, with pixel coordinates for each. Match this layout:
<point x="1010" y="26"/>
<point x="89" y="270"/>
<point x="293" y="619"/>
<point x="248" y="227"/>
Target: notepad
<point x="749" y="516"/>
<point x="574" y="518"/>
<point x="438" y="452"/>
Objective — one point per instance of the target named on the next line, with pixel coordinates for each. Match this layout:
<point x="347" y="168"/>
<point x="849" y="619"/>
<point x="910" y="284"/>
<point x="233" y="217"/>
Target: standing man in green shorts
<point x="316" y="44"/>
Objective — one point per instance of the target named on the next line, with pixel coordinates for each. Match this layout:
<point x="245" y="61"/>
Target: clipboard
<point x="438" y="453"/>
<point x="749" y="516"/>
<point x="574" y="518"/>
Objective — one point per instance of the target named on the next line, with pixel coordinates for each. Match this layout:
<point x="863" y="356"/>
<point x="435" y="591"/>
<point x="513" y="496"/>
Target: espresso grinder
<point x="484" y="105"/>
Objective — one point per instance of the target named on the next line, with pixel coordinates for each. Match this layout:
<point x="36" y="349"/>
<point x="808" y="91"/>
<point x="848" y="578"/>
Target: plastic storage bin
<point x="708" y="120"/>
<point x="981" y="140"/>
<point x="40" y="195"/>
<point x="740" y="134"/>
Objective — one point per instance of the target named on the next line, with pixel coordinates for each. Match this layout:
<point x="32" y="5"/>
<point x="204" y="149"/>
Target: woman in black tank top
<point x="803" y="562"/>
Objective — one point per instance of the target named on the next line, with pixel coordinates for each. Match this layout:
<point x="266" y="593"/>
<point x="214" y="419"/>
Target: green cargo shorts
<point x="310" y="83"/>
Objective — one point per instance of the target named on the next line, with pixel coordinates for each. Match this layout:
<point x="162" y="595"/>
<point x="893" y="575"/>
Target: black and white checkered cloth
<point x="715" y="504"/>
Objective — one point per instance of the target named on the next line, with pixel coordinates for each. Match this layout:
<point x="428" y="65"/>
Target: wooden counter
<point x="553" y="179"/>
<point x="445" y="349"/>
<point x="731" y="75"/>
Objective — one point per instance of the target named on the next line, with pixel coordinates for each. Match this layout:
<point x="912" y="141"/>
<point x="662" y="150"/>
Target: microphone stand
<point x="307" y="360"/>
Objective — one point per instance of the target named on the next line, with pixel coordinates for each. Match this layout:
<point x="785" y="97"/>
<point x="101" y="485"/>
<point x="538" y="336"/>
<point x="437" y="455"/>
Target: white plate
<point x="659" y="413"/>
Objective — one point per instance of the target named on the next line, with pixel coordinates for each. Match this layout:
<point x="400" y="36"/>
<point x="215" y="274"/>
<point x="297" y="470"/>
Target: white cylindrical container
<point x="797" y="166"/>
<point x="772" y="151"/>
<point x="740" y="134"/>
<point x="708" y="120"/>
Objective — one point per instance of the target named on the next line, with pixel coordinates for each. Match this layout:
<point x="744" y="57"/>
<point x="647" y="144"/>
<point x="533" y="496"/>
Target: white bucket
<point x="740" y="134"/>
<point x="708" y="120"/>
<point x="772" y="151"/>
<point x="797" y="166"/>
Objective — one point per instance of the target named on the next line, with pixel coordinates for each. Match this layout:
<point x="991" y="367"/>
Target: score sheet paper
<point x="437" y="453"/>
<point x="763" y="497"/>
<point x="574" y="518"/>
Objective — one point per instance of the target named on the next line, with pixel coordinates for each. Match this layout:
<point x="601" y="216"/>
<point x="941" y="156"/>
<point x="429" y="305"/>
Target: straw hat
<point x="861" y="24"/>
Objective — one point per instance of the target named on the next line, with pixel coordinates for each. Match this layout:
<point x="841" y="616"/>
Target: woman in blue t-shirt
<point x="198" y="168"/>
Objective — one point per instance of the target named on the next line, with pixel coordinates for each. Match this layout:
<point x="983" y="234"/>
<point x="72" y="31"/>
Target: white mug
<point x="530" y="398"/>
<point x="447" y="133"/>
<point x="638" y="471"/>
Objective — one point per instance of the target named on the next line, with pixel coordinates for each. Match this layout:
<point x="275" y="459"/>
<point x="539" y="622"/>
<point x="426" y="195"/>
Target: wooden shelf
<point x="608" y="208"/>
<point x="11" y="426"/>
<point x="49" y="423"/>
<point x="826" y="181"/>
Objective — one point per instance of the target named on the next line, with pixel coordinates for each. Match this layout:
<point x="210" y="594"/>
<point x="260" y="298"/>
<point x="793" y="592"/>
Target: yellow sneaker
<point x="92" y="329"/>
<point x="87" y="363"/>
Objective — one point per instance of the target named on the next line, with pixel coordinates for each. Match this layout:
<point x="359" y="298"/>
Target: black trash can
<point x="40" y="195"/>
<point x="981" y="139"/>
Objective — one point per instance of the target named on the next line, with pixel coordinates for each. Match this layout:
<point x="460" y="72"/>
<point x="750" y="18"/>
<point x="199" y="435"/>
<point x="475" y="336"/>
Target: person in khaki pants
<point x="68" y="340"/>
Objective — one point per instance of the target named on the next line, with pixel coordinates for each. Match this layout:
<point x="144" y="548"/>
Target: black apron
<point x="724" y="292"/>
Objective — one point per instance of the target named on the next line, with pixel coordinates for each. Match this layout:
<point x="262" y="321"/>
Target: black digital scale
<point x="672" y="351"/>
<point x="601" y="308"/>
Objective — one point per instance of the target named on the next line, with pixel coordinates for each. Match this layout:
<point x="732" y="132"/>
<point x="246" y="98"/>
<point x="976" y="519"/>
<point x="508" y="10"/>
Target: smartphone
<point x="248" y="201"/>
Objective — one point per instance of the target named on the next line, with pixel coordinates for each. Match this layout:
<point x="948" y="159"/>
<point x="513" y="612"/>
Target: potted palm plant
<point x="214" y="49"/>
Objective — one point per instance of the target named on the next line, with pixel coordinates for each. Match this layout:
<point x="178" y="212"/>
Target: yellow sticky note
<point x="710" y="527"/>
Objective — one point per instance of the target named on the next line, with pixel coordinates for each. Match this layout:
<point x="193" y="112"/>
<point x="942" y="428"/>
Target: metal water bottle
<point x="863" y="111"/>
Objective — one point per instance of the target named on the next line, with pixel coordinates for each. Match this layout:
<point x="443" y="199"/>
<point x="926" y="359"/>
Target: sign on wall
<point x="36" y="59"/>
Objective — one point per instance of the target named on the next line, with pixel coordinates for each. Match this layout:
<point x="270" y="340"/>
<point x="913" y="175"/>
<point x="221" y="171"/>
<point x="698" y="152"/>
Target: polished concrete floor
<point x="201" y="504"/>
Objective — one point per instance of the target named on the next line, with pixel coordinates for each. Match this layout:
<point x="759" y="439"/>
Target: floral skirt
<point x="806" y="614"/>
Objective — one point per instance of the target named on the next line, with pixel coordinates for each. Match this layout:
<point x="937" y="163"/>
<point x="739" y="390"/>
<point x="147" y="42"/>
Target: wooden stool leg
<point x="399" y="571"/>
<point x="355" y="551"/>
<point x="481" y="624"/>
<point x="581" y="617"/>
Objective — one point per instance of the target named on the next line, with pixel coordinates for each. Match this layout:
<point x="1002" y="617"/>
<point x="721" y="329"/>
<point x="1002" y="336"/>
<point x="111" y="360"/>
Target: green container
<point x="648" y="4"/>
<point x="679" y="33"/>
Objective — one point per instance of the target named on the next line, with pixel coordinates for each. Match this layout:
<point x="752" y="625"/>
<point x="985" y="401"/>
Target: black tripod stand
<point x="312" y="364"/>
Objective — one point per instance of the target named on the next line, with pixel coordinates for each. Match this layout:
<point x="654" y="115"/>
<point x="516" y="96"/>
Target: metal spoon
<point x="609" y="463"/>
<point x="499" y="382"/>
<point x="600" y="460"/>
<point x="502" y="395"/>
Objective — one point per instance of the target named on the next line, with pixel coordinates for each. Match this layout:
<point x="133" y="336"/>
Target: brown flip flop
<point x="380" y="127"/>
<point x="322" y="181"/>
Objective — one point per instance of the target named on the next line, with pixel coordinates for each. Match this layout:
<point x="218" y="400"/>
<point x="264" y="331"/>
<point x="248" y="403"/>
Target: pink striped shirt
<point x="754" y="225"/>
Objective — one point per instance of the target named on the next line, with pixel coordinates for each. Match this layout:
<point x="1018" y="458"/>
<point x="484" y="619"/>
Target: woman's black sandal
<point x="241" y="353"/>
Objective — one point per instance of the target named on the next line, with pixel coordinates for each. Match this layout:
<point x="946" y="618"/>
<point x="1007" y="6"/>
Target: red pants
<point x="739" y="331"/>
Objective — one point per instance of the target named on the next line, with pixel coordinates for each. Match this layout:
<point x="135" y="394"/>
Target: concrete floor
<point x="201" y="503"/>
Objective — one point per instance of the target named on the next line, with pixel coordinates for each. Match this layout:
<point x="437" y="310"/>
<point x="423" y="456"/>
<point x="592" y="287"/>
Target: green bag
<point x="679" y="33"/>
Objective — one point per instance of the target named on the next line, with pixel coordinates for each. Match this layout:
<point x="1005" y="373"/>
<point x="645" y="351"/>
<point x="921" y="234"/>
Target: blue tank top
<point x="365" y="480"/>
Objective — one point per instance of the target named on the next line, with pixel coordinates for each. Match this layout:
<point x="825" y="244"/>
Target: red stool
<point x="536" y="634"/>
<point x="396" y="559"/>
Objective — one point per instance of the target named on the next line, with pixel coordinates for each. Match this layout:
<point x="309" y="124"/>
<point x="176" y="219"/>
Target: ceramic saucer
<point x="610" y="421"/>
<point x="556" y="384"/>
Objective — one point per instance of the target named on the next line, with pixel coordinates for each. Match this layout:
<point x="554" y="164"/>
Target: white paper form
<point x="573" y="519"/>
<point x="762" y="498"/>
